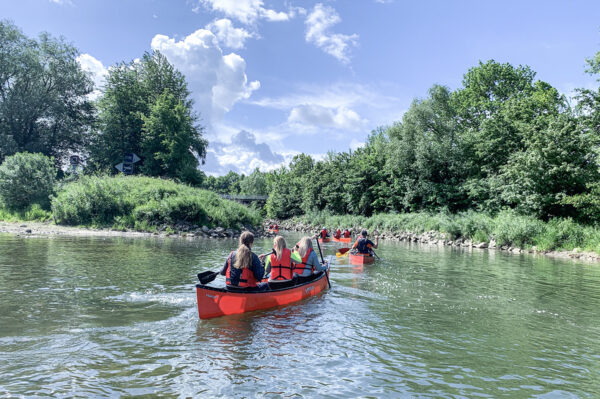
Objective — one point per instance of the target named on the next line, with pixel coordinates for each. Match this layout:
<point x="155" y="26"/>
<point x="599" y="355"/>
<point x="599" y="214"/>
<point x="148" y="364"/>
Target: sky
<point x="272" y="79"/>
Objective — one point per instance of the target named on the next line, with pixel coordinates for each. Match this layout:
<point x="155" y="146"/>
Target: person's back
<point x="309" y="262"/>
<point x="363" y="245"/>
<point x="243" y="268"/>
<point x="338" y="233"/>
<point x="346" y="233"/>
<point x="282" y="269"/>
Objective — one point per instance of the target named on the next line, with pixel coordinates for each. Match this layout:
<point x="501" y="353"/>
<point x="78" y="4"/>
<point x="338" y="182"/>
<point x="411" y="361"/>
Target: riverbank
<point x="507" y="231"/>
<point x="46" y="229"/>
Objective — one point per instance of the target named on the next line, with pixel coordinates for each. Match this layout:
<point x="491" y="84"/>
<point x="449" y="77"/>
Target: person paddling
<point x="363" y="245"/>
<point x="243" y="268"/>
<point x="324" y="233"/>
<point x="337" y="234"/>
<point x="310" y="261"/>
<point x="281" y="262"/>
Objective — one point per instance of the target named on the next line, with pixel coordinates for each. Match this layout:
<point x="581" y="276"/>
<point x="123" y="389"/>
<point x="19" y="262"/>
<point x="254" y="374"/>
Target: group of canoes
<point x="277" y="278"/>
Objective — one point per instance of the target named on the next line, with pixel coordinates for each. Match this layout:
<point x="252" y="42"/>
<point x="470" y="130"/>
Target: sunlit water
<point x="94" y="317"/>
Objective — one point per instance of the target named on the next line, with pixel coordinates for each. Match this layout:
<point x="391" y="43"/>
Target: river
<point x="109" y="317"/>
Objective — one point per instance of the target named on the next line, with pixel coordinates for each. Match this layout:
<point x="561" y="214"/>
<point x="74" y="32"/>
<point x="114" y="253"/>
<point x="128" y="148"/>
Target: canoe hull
<point x="322" y="240"/>
<point x="216" y="302"/>
<point x="343" y="239"/>
<point x="360" y="259"/>
<point x="276" y="231"/>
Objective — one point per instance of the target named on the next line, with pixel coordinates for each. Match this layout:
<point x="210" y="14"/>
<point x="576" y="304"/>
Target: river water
<point x="110" y="317"/>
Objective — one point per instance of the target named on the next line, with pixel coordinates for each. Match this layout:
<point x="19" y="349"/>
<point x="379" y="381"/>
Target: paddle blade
<point x="343" y="250"/>
<point x="207" y="277"/>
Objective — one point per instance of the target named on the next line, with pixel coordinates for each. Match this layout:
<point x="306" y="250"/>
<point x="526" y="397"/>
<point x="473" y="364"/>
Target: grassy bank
<point x="506" y="228"/>
<point x="144" y="204"/>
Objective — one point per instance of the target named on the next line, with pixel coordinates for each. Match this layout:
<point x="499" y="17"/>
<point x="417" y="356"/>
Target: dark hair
<point x="363" y="233"/>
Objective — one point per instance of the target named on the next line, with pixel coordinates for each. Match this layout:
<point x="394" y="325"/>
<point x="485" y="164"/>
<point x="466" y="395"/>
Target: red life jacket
<point x="300" y="267"/>
<point x="346" y="234"/>
<point x="282" y="269"/>
<point x="247" y="278"/>
<point x="324" y="233"/>
<point x="338" y="233"/>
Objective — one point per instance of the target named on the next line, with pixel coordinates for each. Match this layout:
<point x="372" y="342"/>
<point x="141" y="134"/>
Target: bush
<point x="26" y="179"/>
<point x="144" y="203"/>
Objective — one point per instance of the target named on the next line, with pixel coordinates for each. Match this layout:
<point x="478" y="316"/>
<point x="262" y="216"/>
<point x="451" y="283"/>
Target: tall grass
<point x="507" y="228"/>
<point x="144" y="203"/>
<point x="32" y="214"/>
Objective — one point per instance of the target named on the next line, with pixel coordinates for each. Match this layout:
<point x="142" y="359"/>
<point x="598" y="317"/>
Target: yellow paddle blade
<point x="339" y="255"/>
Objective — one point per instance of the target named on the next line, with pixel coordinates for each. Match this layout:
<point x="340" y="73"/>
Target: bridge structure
<point x="246" y="199"/>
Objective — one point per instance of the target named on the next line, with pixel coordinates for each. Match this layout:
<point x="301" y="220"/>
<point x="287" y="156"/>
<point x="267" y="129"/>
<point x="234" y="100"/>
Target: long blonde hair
<point x="243" y="255"/>
<point x="304" y="245"/>
<point x="278" y="246"/>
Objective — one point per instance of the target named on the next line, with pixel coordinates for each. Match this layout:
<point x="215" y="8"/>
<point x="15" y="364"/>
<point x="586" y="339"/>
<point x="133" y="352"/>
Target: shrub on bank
<point x="26" y="179"/>
<point x="144" y="203"/>
<point x="508" y="228"/>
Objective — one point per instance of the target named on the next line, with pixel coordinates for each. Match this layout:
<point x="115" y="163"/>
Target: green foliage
<point x="43" y="96"/>
<point x="144" y="203"/>
<point x="26" y="179"/>
<point x="170" y="141"/>
<point x="32" y="214"/>
<point x="146" y="110"/>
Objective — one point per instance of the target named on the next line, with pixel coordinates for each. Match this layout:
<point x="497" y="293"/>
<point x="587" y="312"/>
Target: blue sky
<point x="271" y="79"/>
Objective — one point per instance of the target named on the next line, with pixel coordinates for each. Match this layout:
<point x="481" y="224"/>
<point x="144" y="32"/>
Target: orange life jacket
<point x="282" y="269"/>
<point x="247" y="278"/>
<point x="299" y="268"/>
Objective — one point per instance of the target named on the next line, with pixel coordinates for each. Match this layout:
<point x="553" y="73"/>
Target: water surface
<point x="85" y="317"/>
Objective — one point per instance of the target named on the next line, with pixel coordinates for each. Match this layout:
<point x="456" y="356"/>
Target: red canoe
<point x="322" y="240"/>
<point x="276" y="231"/>
<point x="215" y="302"/>
<point x="343" y="239"/>
<point x="361" y="259"/>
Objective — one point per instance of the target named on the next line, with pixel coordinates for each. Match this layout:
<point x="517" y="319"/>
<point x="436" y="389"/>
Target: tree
<point x="26" y="179"/>
<point x="254" y="184"/>
<point x="130" y="97"/>
<point x="171" y="141"/>
<point x="427" y="162"/>
<point x="44" y="106"/>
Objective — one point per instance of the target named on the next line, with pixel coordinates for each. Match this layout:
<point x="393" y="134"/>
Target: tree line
<point x="503" y="140"/>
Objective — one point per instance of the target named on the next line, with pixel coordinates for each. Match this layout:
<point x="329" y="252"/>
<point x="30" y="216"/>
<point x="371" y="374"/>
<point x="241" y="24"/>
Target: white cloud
<point x="217" y="81"/>
<point x="318" y="24"/>
<point x="242" y="155"/>
<point x="319" y="116"/>
<point x="96" y="70"/>
<point x="228" y="35"/>
<point x="246" y="11"/>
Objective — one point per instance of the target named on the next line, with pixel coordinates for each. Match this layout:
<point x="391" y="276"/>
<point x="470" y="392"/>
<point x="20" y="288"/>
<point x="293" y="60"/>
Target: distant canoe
<point x="343" y="239"/>
<point x="322" y="240"/>
<point x="361" y="259"/>
<point x="276" y="231"/>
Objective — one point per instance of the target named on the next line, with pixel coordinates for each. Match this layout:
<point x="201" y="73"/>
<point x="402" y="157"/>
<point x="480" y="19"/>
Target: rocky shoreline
<point x="441" y="239"/>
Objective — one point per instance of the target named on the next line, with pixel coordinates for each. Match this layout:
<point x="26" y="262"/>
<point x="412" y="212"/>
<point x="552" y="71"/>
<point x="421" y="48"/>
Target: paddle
<point x="207" y="277"/>
<point x="342" y="252"/>
<point x="323" y="262"/>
